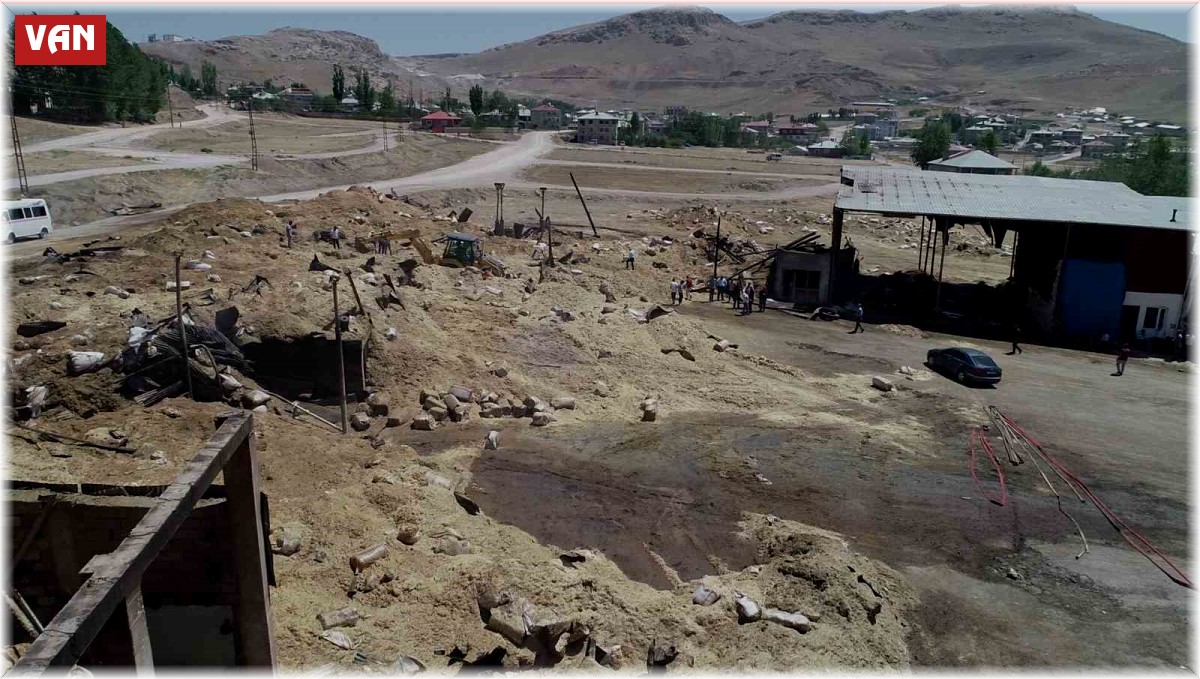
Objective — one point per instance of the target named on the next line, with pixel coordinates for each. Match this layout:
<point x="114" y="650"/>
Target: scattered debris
<point x="882" y="383"/>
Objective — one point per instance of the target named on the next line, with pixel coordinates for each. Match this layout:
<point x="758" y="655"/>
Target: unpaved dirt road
<point x="678" y="486"/>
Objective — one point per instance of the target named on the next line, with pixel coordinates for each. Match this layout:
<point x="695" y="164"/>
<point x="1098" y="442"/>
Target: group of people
<point x="682" y="289"/>
<point x="740" y="293"/>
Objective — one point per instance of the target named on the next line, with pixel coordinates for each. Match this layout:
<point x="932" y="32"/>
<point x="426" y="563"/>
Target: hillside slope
<point x="287" y="55"/>
<point x="1040" y="58"/>
<point x="1034" y="58"/>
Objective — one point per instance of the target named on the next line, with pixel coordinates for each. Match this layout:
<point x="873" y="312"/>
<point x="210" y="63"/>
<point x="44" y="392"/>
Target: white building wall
<point x="1146" y="300"/>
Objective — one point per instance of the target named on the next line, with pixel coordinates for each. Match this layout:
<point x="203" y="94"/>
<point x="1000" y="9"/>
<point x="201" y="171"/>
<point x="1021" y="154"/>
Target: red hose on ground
<point x="1146" y="548"/>
<point x="977" y="434"/>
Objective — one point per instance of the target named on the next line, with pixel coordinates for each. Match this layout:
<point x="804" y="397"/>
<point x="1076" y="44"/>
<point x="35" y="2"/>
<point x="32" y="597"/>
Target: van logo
<point x="60" y="40"/>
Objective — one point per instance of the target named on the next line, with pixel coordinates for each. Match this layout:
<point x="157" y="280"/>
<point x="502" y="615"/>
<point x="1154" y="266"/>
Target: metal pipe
<point x="717" y="244"/>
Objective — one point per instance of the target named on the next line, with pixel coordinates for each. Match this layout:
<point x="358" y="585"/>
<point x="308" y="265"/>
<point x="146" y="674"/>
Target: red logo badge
<point x="60" y="40"/>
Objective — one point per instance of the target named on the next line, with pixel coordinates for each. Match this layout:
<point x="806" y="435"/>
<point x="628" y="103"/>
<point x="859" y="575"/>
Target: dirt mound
<point x="457" y="327"/>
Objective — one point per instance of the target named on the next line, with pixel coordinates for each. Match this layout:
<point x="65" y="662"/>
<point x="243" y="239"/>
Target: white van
<point x="26" y="218"/>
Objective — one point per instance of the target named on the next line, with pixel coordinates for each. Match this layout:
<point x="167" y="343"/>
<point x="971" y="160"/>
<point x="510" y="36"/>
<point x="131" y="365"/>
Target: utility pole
<point x="187" y="362"/>
<point x="170" y="107"/>
<point x="717" y="244"/>
<point x="253" y="140"/>
<point x="385" y="133"/>
<point x="337" y="334"/>
<point x="22" y="178"/>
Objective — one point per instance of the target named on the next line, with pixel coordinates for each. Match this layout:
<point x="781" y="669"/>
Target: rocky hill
<point x="1034" y="58"/>
<point x="287" y="55"/>
<point x="1039" y="58"/>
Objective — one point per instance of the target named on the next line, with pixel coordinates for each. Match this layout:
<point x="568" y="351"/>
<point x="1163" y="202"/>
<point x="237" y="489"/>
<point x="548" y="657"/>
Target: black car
<point x="966" y="365"/>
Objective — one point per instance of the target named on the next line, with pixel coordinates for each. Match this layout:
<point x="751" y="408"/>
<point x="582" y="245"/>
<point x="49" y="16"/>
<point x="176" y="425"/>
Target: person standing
<point x="1122" y="358"/>
<point x="687" y="287"/>
<point x="762" y="298"/>
<point x="1016" y="340"/>
<point x="747" y="297"/>
<point x="674" y="290"/>
<point x="336" y="237"/>
<point x="712" y="287"/>
<point x="721" y="289"/>
<point x="289" y="231"/>
<point x="631" y="259"/>
<point x="858" y="318"/>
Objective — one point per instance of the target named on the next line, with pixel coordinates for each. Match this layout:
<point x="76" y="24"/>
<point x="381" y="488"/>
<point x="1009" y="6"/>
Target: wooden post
<point x="717" y="244"/>
<point x="1012" y="260"/>
<point x="337" y="333"/>
<point x="187" y="367"/>
<point x="835" y="250"/>
<point x="135" y="615"/>
<point x="921" y="247"/>
<point x="256" y="638"/>
<point x="937" y="302"/>
<point x="546" y="225"/>
<point x="585" y="207"/>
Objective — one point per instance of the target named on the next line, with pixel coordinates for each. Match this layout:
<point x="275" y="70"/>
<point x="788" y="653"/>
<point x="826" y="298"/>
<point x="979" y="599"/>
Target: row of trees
<point x="130" y="86"/>
<point x="699" y="129"/>
<point x="1151" y="168"/>
<point x="205" y="85"/>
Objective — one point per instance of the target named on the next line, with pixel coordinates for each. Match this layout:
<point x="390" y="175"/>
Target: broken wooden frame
<point x="115" y="578"/>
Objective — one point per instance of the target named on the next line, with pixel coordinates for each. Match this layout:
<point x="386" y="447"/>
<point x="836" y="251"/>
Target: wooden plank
<point x="256" y="638"/>
<point x="113" y="578"/>
<point x="135" y="614"/>
<point x="357" y="299"/>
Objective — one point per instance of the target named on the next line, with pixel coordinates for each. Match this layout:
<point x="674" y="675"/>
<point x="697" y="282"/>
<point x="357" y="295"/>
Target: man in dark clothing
<point x="762" y="298"/>
<point x="712" y="288"/>
<point x="1016" y="339"/>
<point x="1122" y="359"/>
<point x="858" y="317"/>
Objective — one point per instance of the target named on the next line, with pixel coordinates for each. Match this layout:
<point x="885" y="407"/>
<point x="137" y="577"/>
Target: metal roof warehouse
<point x="973" y="197"/>
<point x="1088" y="259"/>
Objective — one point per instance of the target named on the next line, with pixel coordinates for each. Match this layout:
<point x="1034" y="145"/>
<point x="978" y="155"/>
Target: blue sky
<point x="429" y="30"/>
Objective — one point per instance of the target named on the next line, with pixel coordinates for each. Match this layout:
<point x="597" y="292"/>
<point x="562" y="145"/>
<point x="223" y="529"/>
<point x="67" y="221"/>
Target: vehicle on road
<point x="774" y="156"/>
<point x="26" y="218"/>
<point x="964" y="365"/>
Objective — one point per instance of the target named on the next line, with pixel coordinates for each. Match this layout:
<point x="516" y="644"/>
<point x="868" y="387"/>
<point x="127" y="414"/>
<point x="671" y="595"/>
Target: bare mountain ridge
<point x="1036" y="58"/>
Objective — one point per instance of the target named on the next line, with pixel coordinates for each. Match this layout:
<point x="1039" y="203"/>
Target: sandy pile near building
<point x="339" y="495"/>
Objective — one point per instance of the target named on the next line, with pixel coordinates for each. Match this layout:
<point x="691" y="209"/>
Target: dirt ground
<point x="456" y="330"/>
<point x="774" y="469"/>
<point x="91" y="198"/>
<point x="275" y="134"/>
<point x="62" y="160"/>
<point x="652" y="181"/>
<point x="704" y="160"/>
<point x="33" y="130"/>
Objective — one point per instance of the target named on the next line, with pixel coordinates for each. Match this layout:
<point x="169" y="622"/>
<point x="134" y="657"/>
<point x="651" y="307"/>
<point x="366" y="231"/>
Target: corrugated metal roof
<point x="827" y="144"/>
<point x="1019" y="197"/>
<point x="974" y="160"/>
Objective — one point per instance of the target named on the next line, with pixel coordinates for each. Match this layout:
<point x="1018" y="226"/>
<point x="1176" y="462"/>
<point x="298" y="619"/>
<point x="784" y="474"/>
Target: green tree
<point x="989" y="142"/>
<point x="856" y="144"/>
<point x="447" y="100"/>
<point x="933" y="142"/>
<point x="208" y="79"/>
<point x="387" y="100"/>
<point x="363" y="91"/>
<point x="476" y="96"/>
<point x="187" y="81"/>
<point x="130" y="86"/>
<point x="339" y="82"/>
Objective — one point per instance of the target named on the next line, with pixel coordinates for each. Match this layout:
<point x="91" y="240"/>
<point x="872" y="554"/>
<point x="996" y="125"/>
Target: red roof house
<point x="438" y="121"/>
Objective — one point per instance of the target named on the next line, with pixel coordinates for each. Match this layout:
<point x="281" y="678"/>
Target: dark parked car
<point x="965" y="365"/>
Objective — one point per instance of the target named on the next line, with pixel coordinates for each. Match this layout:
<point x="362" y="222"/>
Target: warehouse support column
<point x="834" y="252"/>
<point x="943" y="229"/>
